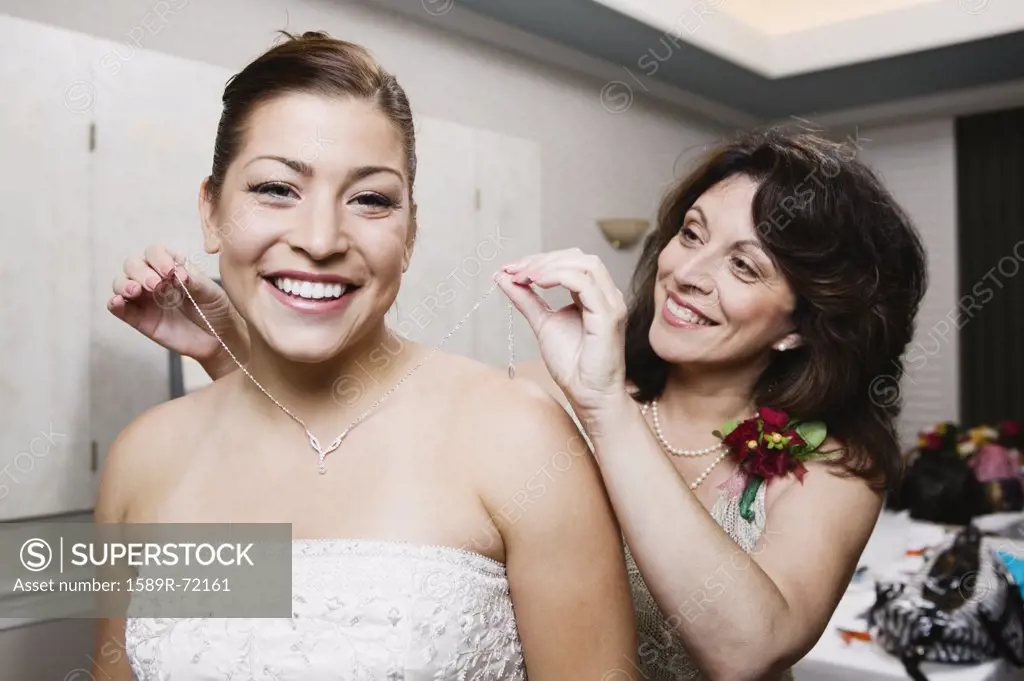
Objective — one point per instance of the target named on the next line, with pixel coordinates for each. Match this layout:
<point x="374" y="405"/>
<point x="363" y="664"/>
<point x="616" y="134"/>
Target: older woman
<point x="782" y="282"/>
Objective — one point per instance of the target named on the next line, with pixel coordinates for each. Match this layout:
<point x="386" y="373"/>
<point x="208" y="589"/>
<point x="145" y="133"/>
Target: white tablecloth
<point x="833" y="660"/>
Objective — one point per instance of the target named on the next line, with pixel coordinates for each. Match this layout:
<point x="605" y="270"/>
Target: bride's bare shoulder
<point x="525" y="412"/>
<point x="473" y="376"/>
<point x="150" y="446"/>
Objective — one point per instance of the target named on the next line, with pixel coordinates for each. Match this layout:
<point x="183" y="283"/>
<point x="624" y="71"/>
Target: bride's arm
<point x="110" y="660"/>
<point x="563" y="546"/>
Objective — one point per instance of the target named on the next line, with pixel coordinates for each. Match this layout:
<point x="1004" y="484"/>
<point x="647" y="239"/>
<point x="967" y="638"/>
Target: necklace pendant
<point x="321" y="452"/>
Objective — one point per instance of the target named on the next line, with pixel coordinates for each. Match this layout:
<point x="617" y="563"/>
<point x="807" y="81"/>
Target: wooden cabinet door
<point x="156" y="120"/>
<point x="45" y="274"/>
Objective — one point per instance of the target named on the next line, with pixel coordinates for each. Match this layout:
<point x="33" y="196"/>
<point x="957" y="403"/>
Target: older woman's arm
<point x="741" y="617"/>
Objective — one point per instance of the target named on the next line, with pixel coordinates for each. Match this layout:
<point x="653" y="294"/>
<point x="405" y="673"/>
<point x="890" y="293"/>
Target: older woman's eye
<point x="687" y="235"/>
<point x="745" y="268"/>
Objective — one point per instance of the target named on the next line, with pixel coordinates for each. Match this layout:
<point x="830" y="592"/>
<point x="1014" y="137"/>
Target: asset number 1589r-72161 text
<point x="180" y="584"/>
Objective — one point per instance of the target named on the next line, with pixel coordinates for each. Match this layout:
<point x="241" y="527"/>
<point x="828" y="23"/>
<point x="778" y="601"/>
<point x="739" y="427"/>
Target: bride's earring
<point x="511" y="341"/>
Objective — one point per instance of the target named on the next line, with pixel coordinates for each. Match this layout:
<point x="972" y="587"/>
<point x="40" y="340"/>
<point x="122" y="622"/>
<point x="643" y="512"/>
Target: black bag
<point x="940" y="487"/>
<point x="962" y="608"/>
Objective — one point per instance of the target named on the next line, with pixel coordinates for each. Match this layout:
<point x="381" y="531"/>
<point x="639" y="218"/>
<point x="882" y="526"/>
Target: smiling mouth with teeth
<point x="310" y="290"/>
<point x="686" y="315"/>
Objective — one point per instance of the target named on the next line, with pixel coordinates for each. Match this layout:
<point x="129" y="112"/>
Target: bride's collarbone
<point x="366" y="491"/>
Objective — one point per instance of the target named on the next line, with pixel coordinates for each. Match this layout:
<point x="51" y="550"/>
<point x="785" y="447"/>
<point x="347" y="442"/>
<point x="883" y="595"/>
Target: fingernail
<point x="131" y="289"/>
<point x="152" y="282"/>
<point x="512" y="267"/>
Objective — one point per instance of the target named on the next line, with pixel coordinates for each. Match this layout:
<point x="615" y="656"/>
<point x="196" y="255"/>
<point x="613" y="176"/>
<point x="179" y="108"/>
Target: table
<point x="885" y="555"/>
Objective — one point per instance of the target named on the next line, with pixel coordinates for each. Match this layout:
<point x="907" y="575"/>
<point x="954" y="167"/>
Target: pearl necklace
<point x="664" y="443"/>
<point x="694" y="453"/>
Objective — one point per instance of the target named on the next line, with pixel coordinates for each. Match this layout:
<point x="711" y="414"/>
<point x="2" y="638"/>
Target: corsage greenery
<point x="770" y="445"/>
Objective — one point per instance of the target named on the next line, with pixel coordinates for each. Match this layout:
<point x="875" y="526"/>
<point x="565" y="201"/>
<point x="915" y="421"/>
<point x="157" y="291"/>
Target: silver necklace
<point x="322" y="451"/>
<point x="693" y="453"/>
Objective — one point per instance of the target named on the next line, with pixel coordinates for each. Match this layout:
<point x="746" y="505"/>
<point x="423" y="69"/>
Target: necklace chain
<point x="313" y="441"/>
<point x="690" y="453"/>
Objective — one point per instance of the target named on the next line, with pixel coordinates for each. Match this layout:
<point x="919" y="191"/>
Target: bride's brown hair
<point x="856" y="265"/>
<point x="311" y="63"/>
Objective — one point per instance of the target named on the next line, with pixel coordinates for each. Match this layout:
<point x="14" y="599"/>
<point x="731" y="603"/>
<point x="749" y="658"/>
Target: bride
<point x="437" y="479"/>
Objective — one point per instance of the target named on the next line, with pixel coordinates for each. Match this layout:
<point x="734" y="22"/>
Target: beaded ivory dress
<point x="660" y="653"/>
<point x="361" y="610"/>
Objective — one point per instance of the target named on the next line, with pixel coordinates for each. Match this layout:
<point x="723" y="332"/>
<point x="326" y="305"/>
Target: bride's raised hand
<point x="583" y="343"/>
<point x="149" y="296"/>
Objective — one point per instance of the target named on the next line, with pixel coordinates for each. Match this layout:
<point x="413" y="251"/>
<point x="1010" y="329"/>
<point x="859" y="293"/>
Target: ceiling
<point x="771" y="60"/>
<point x="789" y="16"/>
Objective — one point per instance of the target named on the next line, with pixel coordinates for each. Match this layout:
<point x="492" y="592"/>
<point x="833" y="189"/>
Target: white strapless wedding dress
<point x="361" y="609"/>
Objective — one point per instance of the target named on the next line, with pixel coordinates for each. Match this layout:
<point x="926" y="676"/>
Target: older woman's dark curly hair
<point x="856" y="265"/>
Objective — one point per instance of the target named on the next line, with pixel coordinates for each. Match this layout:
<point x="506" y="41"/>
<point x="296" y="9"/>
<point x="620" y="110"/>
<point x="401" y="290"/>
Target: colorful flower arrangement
<point x="966" y="442"/>
<point x="993" y="453"/>
<point x="770" y="445"/>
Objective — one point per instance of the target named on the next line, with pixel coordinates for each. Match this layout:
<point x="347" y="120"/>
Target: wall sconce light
<point x="623" y="233"/>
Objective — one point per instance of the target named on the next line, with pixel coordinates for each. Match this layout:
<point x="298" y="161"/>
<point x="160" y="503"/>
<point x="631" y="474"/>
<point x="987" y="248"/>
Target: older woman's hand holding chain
<point x="581" y="343"/>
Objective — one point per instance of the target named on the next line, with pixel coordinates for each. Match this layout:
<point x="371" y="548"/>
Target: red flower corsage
<point x="770" y="445"/>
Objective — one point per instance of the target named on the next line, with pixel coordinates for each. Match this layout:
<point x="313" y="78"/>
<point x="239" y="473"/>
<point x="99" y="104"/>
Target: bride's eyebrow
<point x="301" y="167"/>
<point x="306" y="170"/>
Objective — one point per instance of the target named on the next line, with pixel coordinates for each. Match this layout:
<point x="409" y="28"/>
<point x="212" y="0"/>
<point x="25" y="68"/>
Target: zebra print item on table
<point x="963" y="607"/>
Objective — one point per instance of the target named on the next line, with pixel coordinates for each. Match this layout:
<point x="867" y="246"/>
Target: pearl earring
<point x="781" y="347"/>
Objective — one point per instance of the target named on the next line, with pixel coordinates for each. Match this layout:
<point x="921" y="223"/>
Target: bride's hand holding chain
<point x="583" y="343"/>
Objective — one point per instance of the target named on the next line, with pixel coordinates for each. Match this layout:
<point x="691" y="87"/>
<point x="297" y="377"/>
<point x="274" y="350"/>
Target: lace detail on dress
<point x="661" y="654"/>
<point x="362" y="609"/>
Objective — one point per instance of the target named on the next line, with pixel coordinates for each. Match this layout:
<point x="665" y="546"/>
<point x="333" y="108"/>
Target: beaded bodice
<point x="361" y="609"/>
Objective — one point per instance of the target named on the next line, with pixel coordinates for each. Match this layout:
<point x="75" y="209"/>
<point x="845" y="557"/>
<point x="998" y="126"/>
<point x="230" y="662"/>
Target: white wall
<point x="918" y="164"/>
<point x="595" y="164"/>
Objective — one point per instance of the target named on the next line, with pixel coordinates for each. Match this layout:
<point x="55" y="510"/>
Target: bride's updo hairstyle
<point x="313" y="63"/>
<point x="858" y="270"/>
